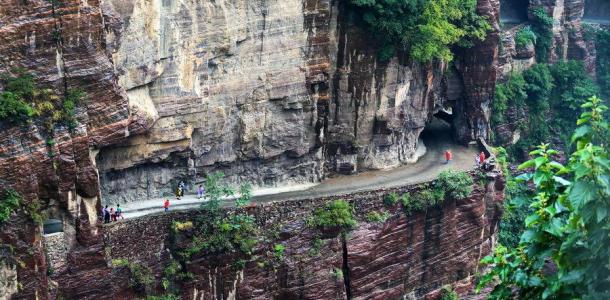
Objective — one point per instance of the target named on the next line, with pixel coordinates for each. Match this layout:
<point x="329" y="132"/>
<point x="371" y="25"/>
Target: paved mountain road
<point x="437" y="139"/>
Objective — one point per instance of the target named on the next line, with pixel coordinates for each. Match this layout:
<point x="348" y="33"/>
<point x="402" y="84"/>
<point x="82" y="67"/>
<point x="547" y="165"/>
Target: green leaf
<point x="572" y="277"/>
<point x="556" y="165"/>
<point x="561" y="181"/>
<point x="539" y="161"/>
<point x="580" y="132"/>
<point x="524" y="177"/>
<point x="527" y="164"/>
<point x="581" y="193"/>
<point x="554" y="227"/>
<point x="487" y="260"/>
<point x="601" y="213"/>
<point x="531" y="219"/>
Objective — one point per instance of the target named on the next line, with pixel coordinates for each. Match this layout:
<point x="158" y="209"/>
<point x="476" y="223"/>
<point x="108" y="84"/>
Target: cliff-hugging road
<point x="436" y="137"/>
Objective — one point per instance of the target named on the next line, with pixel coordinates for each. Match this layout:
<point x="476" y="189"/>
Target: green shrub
<point x="337" y="214"/>
<point x="140" y="276"/>
<point x="278" y="251"/>
<point x="427" y="29"/>
<point x="508" y="94"/>
<point x="316" y="244"/>
<point x="13" y="108"/>
<point x="120" y="262"/>
<point x="447" y="293"/>
<point x="21" y="100"/>
<point x="418" y="201"/>
<point x="218" y="230"/>
<point x="10" y="201"/>
<point x="453" y="184"/>
<point x="524" y="37"/>
<point x="543" y="27"/>
<point x="337" y="274"/>
<point x="391" y="199"/>
<point x="377" y="217"/>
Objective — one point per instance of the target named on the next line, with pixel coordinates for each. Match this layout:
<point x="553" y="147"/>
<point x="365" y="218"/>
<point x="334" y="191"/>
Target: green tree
<point x="563" y="253"/>
<point x="427" y="28"/>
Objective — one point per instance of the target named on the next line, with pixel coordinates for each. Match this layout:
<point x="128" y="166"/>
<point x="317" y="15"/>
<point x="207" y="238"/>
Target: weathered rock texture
<point x="270" y="91"/>
<point x="408" y="255"/>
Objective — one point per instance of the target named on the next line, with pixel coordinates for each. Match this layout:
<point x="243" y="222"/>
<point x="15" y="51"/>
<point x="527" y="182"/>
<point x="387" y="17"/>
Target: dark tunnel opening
<point x="513" y="11"/>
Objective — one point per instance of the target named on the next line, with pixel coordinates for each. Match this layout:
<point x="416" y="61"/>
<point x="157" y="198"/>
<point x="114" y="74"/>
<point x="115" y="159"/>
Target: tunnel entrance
<point x="52" y="226"/>
<point x="513" y="11"/>
<point x="597" y="11"/>
<point x="438" y="132"/>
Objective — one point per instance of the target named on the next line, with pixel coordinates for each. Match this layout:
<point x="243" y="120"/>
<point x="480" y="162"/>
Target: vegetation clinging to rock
<point x="524" y="37"/>
<point x="427" y="29"/>
<point x="454" y="184"/>
<point x="335" y="215"/>
<point x="9" y="202"/>
<point x="22" y="100"/>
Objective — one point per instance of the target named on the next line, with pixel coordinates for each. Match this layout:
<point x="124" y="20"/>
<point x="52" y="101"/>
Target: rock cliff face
<point x="269" y="91"/>
<point x="406" y="256"/>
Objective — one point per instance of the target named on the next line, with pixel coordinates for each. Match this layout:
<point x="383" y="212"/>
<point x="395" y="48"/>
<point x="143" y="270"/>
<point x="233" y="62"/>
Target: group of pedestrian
<point x="111" y="214"/>
<point x="479" y="159"/>
<point x="180" y="193"/>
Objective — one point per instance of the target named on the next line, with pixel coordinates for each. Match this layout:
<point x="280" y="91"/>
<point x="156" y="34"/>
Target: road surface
<point x="437" y="139"/>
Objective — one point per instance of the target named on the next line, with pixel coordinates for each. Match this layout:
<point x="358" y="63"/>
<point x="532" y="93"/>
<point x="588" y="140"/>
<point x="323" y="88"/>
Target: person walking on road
<point x="477" y="160"/>
<point x="119" y="212"/>
<point x="166" y="205"/>
<point x="106" y="215"/>
<point x="200" y="191"/>
<point x="448" y="156"/>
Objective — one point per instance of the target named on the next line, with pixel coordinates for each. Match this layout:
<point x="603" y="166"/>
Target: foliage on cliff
<point x="563" y="253"/>
<point x="218" y="230"/>
<point x="426" y="28"/>
<point x="335" y="215"/>
<point x="602" y="46"/>
<point x="22" y="101"/>
<point x="8" y="203"/>
<point x="454" y="184"/>
<point x="140" y="276"/>
<point x="547" y="93"/>
<point x="525" y="37"/>
<point x="542" y="25"/>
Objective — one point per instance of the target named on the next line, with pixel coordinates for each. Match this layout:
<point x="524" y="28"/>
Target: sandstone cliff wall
<point x="407" y="255"/>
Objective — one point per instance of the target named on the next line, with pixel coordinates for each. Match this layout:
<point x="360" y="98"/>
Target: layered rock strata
<point x="409" y="255"/>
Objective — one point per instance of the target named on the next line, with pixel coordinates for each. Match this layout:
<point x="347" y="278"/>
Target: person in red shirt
<point x="448" y="156"/>
<point x="481" y="157"/>
<point x="166" y="204"/>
